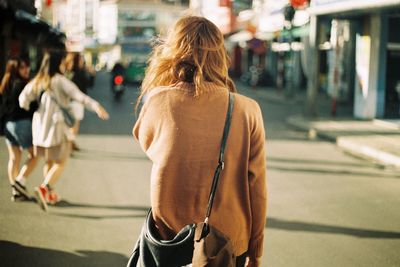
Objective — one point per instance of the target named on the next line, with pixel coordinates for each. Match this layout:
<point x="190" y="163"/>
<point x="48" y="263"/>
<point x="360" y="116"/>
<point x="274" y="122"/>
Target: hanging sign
<point x="298" y="3"/>
<point x="364" y="98"/>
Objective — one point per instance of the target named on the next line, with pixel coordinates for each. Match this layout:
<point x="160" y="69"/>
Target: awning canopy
<point x="36" y="24"/>
<point x="30" y="24"/>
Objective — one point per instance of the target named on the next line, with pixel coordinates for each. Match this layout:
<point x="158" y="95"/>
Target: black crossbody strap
<point x="220" y="166"/>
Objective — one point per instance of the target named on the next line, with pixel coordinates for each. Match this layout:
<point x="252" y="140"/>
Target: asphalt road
<point x="325" y="207"/>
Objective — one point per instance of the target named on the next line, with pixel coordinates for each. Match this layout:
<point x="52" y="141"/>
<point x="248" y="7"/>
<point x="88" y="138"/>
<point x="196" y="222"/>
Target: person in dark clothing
<point x="80" y="74"/>
<point x="118" y="69"/>
<point x="18" y="126"/>
<point x="77" y="73"/>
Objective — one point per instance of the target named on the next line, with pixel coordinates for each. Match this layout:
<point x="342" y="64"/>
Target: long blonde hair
<point x="193" y="52"/>
<point x="49" y="67"/>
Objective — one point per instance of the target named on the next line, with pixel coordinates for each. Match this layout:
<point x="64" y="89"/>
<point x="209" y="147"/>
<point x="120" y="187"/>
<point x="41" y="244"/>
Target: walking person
<point x="51" y="135"/>
<point x="185" y="98"/>
<point x="78" y="74"/>
<point x="18" y="126"/>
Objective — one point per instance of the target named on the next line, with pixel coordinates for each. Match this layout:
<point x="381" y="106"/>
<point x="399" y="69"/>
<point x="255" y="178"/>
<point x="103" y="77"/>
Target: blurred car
<point x="134" y="72"/>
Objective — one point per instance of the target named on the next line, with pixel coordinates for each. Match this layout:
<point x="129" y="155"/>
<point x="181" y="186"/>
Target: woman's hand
<point x="253" y="262"/>
<point x="101" y="112"/>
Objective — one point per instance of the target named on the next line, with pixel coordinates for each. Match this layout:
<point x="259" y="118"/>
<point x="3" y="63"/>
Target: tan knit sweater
<point x="181" y="135"/>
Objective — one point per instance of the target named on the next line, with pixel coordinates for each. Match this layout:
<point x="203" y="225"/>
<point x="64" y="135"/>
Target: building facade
<point x="24" y="33"/>
<point x="365" y="57"/>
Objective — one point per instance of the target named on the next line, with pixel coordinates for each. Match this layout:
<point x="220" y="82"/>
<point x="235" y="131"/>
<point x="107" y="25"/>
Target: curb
<point x="346" y="143"/>
<point x="368" y="152"/>
<point x="392" y="124"/>
<point x="300" y="123"/>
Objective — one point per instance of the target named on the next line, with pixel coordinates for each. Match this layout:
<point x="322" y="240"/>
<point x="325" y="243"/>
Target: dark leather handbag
<point x="199" y="244"/>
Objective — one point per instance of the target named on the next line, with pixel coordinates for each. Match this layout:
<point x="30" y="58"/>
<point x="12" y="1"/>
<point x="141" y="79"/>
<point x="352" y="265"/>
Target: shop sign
<point x="363" y="99"/>
<point x="298" y="3"/>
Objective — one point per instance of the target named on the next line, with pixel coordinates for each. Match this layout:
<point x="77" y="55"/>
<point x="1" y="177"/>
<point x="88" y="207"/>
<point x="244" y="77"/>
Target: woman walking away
<point x="186" y="94"/>
<point x="51" y="135"/>
<point x="18" y="127"/>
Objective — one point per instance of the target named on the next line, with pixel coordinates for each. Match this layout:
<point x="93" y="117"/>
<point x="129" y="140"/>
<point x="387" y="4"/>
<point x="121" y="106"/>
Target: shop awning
<point x="36" y="24"/>
<point x="28" y="23"/>
<point x="341" y="7"/>
<point x="31" y="23"/>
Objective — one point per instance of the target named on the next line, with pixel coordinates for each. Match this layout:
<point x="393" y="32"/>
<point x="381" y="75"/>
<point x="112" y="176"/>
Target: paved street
<point x="326" y="208"/>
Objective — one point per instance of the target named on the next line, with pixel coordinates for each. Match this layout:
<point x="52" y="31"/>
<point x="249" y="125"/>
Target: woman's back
<point x="10" y="100"/>
<point x="182" y="134"/>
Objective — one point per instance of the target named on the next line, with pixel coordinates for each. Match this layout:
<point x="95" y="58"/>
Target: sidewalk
<point x="375" y="140"/>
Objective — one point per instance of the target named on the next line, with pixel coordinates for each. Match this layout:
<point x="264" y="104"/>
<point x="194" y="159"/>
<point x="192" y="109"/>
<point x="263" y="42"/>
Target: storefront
<point x="364" y="56"/>
<point x="392" y="97"/>
<point x="22" y="34"/>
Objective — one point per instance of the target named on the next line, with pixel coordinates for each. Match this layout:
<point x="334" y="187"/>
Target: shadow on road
<point x="97" y="155"/>
<point x="139" y="211"/>
<point x="68" y="204"/>
<point x="323" y="162"/>
<point x="99" y="217"/>
<point x="322" y="170"/>
<point x="14" y="254"/>
<point x="329" y="229"/>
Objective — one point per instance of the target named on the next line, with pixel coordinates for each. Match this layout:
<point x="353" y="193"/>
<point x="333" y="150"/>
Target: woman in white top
<point x="51" y="135"/>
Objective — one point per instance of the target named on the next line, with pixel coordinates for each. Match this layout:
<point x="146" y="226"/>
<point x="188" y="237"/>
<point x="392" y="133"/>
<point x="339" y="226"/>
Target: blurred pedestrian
<point x="51" y="135"/>
<point x="180" y="126"/>
<point x="78" y="74"/>
<point x="18" y="126"/>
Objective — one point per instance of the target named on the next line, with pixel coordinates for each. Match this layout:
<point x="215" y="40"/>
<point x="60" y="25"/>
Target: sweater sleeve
<point x="257" y="185"/>
<point x="27" y="96"/>
<point x="73" y="91"/>
<point x="143" y="129"/>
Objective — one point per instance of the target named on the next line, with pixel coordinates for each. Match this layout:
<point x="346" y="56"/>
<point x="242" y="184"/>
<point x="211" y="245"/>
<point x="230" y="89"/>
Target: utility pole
<point x="313" y="63"/>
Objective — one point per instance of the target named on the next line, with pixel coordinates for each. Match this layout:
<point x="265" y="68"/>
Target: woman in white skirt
<point x="51" y="136"/>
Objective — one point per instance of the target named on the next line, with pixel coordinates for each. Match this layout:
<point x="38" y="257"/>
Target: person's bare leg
<point x="14" y="160"/>
<point x="44" y="194"/>
<point x="29" y="165"/>
<point x="74" y="130"/>
<point x="54" y="173"/>
<point x="47" y="166"/>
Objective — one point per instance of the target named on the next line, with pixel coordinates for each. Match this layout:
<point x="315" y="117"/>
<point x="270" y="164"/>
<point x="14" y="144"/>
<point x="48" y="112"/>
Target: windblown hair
<point x="9" y="75"/>
<point x="50" y="66"/>
<point x="193" y="52"/>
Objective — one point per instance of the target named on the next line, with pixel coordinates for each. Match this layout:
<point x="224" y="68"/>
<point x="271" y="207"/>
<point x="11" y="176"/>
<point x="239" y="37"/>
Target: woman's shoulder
<point x="61" y="81"/>
<point x="59" y="77"/>
<point x="246" y="103"/>
<point x="156" y="93"/>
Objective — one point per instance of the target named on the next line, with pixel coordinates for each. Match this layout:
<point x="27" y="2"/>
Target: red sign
<point x="298" y="3"/>
<point x="225" y="3"/>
